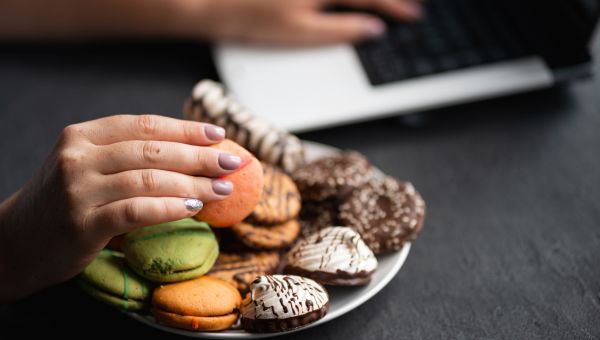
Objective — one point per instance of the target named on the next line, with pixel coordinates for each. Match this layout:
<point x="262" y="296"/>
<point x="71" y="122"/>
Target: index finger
<point x="401" y="9"/>
<point x="120" y="128"/>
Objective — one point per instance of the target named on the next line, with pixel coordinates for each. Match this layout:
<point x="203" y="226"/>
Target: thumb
<point x="327" y="28"/>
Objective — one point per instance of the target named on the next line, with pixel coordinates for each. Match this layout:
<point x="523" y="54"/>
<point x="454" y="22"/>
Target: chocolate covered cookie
<point x="210" y="103"/>
<point x="333" y="176"/>
<point x="385" y="212"/>
<point x="280" y="200"/>
<point x="316" y="215"/>
<point x="333" y="256"/>
<point x="240" y="269"/>
<point x="279" y="303"/>
<point x="267" y="237"/>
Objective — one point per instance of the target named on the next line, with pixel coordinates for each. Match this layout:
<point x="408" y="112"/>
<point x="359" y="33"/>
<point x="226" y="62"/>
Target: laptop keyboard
<point x="455" y="34"/>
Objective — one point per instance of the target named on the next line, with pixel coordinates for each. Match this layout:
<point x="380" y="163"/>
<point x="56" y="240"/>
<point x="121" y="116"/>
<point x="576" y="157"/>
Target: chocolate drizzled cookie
<point x="333" y="176"/>
<point x="210" y="103"/>
<point x="267" y="236"/>
<point x="240" y="269"/>
<point x="282" y="302"/>
<point x="385" y="212"/>
<point x="333" y="256"/>
<point x="280" y="201"/>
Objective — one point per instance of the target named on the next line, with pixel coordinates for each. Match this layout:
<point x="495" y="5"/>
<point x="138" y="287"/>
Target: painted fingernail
<point x="193" y="204"/>
<point x="414" y="9"/>
<point x="374" y="27"/>
<point x="214" y="133"/>
<point x="229" y="161"/>
<point x="221" y="187"/>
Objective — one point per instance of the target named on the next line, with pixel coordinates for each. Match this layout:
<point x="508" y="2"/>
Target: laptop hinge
<point x="567" y="73"/>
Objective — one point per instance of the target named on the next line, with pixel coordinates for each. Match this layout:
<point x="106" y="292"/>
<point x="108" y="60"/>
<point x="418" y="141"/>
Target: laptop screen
<point x="562" y="28"/>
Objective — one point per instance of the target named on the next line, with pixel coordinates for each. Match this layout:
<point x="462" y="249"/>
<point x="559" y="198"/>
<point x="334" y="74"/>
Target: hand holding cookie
<point x="104" y="178"/>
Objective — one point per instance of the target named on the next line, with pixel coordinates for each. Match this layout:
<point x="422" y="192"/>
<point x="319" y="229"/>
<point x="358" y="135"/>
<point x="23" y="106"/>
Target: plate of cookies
<point x="310" y="233"/>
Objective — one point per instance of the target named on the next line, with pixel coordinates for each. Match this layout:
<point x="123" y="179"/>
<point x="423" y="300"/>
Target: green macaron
<point x="108" y="279"/>
<point x="173" y="251"/>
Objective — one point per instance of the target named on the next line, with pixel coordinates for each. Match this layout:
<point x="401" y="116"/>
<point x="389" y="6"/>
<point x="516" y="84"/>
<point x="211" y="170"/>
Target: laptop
<point x="462" y="51"/>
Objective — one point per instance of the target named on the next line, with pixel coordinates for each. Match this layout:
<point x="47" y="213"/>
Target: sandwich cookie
<point x="108" y="279"/>
<point x="173" y="251"/>
<point x="202" y="304"/>
<point x="240" y="269"/>
<point x="210" y="103"/>
<point x="333" y="256"/>
<point x="385" y="212"/>
<point x="333" y="176"/>
<point x="280" y="201"/>
<point x="247" y="183"/>
<point x="278" y="303"/>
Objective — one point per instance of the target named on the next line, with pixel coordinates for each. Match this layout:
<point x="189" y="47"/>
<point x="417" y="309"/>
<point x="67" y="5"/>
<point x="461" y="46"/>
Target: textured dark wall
<point x="511" y="246"/>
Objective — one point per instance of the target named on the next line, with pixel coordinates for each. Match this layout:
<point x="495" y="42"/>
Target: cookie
<point x="333" y="256"/>
<point x="202" y="304"/>
<point x="210" y="103"/>
<point x="173" y="251"/>
<point x="240" y="269"/>
<point x="280" y="201"/>
<point x="247" y="183"/>
<point x="278" y="303"/>
<point x="267" y="237"/>
<point x="385" y="212"/>
<point x="333" y="176"/>
<point x="109" y="280"/>
<point x="316" y="215"/>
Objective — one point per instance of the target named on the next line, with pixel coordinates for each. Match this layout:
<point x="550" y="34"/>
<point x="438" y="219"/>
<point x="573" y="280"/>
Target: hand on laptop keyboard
<point x="303" y="22"/>
<point x="289" y="22"/>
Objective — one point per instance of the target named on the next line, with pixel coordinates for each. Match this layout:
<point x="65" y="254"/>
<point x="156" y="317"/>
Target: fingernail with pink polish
<point x="374" y="27"/>
<point x="214" y="133"/>
<point x="221" y="187"/>
<point x="229" y="162"/>
<point x="193" y="204"/>
<point x="414" y="9"/>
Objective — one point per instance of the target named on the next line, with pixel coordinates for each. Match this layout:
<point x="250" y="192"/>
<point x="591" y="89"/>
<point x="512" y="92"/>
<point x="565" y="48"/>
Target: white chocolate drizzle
<point x="282" y="297"/>
<point x="210" y="103"/>
<point x="332" y="249"/>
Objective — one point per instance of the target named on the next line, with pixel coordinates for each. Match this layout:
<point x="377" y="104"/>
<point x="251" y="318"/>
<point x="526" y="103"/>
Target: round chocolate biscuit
<point x="333" y="176"/>
<point x="267" y="237"/>
<point x="280" y="201"/>
<point x="385" y="212"/>
<point x="240" y="269"/>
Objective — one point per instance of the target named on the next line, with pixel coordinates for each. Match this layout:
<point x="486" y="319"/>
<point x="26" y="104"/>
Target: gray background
<point x="511" y="245"/>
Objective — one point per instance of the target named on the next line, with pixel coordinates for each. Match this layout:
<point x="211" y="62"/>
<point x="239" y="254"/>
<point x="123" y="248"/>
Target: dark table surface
<point x="511" y="245"/>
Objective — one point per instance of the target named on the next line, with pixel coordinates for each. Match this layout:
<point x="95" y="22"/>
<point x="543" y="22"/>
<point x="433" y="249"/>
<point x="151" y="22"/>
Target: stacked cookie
<point x="272" y="225"/>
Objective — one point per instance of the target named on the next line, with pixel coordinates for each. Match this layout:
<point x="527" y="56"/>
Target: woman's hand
<point x="104" y="178"/>
<point x="297" y="22"/>
<point x="287" y="22"/>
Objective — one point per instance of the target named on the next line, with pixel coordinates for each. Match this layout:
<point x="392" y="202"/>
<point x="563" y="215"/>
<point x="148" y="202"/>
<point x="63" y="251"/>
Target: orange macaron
<point x="247" y="189"/>
<point x="202" y="304"/>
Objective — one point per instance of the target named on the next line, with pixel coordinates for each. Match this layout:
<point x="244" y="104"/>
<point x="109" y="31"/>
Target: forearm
<point x="104" y="19"/>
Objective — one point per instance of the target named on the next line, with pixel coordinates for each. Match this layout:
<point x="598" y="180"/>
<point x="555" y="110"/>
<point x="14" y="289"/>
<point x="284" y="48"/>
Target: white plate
<point x="341" y="299"/>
